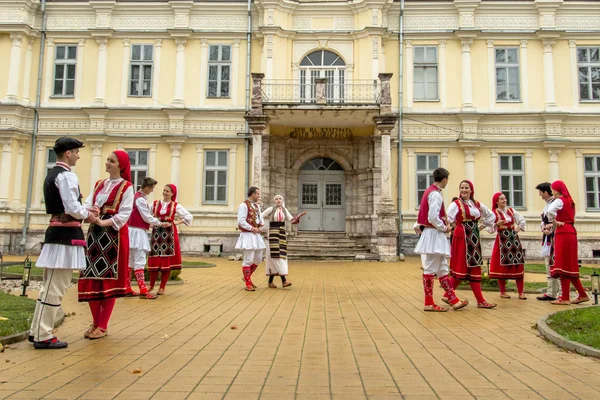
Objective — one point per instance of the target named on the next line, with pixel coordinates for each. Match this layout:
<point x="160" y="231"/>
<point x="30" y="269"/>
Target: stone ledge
<point x="563" y="343"/>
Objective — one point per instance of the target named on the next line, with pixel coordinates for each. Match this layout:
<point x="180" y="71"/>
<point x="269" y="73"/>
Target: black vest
<point x="66" y="235"/>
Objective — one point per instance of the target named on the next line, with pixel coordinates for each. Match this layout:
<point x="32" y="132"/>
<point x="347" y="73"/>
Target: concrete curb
<point x="563" y="343"/>
<point x="17" y="337"/>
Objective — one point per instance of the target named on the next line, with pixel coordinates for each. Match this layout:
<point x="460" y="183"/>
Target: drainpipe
<point x="248" y="60"/>
<point x="36" y="121"/>
<point x="400" y="98"/>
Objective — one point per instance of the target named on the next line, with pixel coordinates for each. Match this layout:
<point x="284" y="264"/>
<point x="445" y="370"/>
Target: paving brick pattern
<point x="345" y="331"/>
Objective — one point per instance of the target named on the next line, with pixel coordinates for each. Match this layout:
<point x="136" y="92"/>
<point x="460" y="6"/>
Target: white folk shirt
<point x="434" y="241"/>
<point x="122" y="217"/>
<point x="138" y="238"/>
<point x="486" y="215"/>
<point x="519" y="220"/>
<point x="249" y="240"/>
<point x="181" y="212"/>
<point x="68" y="186"/>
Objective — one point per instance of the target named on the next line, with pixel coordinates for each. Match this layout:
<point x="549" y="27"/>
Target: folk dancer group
<point x="115" y="245"/>
<point x="466" y="216"/>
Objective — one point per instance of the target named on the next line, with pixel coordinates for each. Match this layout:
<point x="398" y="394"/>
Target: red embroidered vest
<point x="424" y="208"/>
<point x="113" y="203"/>
<point x="250" y="218"/>
<point x="136" y="220"/>
<point x="464" y="211"/>
<point x="169" y="216"/>
<point x="500" y="217"/>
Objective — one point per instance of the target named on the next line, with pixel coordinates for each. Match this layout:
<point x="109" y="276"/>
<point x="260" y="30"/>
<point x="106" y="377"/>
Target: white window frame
<point x="507" y="66"/>
<point x="512" y="173"/>
<point x="425" y="65"/>
<point x="219" y="63"/>
<point x="215" y="169"/>
<point x="587" y="65"/>
<point x="65" y="63"/>
<point x="142" y="65"/>
<point x="428" y="173"/>
<point x="594" y="174"/>
<point x="136" y="167"/>
<point x="49" y="162"/>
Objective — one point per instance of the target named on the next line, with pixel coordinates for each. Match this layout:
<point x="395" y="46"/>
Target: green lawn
<point x="541" y="268"/>
<point x="580" y="325"/>
<point x="18" y="312"/>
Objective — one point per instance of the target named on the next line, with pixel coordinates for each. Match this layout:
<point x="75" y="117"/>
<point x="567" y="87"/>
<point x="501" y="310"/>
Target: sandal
<point x="435" y="308"/>
<point x="149" y="296"/>
<point x="161" y="292"/>
<point x="271" y="285"/>
<point x="132" y="294"/>
<point x="445" y="300"/>
<point x="505" y="295"/>
<point x="560" y="302"/>
<point x="91" y="329"/>
<point x="460" y="304"/>
<point x="522" y="297"/>
<point x="485" y="304"/>
<point x="98" y="333"/>
<point x="580" y="300"/>
<point x="286" y="284"/>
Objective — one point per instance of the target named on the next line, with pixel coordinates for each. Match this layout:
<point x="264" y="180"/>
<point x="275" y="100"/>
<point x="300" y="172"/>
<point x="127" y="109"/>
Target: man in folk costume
<point x="545" y="192"/>
<point x="64" y="242"/>
<point x="433" y="244"/>
<point x="250" y="222"/>
<point x="139" y="246"/>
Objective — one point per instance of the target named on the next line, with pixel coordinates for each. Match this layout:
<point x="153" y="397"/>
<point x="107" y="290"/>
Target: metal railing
<point x="296" y="91"/>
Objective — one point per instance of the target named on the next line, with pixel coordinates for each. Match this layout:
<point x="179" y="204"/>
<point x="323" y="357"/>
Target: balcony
<point x="321" y="91"/>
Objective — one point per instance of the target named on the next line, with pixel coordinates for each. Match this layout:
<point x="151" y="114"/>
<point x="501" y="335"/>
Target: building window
<point x="511" y="179"/>
<point x="50" y="159"/>
<point x="588" y="62"/>
<point x="426" y="73"/>
<point x="426" y="163"/>
<point x="592" y="182"/>
<point x="65" y="61"/>
<point x="219" y="70"/>
<point x="215" y="177"/>
<point x="139" y="166"/>
<point x="325" y="64"/>
<point x="140" y="75"/>
<point x="507" y="74"/>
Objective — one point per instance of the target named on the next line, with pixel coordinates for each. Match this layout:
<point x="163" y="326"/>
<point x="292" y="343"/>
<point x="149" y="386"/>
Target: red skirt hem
<point x="498" y="271"/>
<point x="167" y="263"/>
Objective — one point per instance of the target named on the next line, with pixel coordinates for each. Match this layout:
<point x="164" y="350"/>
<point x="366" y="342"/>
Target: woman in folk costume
<point x="277" y="264"/>
<point x="565" y="264"/>
<point x="105" y="276"/>
<point x="507" y="256"/>
<point x="466" y="257"/>
<point x="165" y="252"/>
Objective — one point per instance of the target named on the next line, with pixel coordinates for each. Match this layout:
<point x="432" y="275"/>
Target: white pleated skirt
<point x="250" y="241"/>
<point x="60" y="256"/>
<point x="138" y="239"/>
<point x="433" y="241"/>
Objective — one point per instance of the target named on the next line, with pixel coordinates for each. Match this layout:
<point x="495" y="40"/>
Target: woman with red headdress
<point x="165" y="253"/>
<point x="105" y="276"/>
<point x="566" y="266"/>
<point x="466" y="257"/>
<point x="507" y="256"/>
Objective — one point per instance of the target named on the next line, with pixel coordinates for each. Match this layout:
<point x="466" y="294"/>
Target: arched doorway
<point x="322" y="64"/>
<point x="321" y="195"/>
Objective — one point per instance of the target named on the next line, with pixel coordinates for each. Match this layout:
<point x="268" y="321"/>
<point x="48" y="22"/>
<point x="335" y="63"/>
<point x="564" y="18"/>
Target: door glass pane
<point x="310" y="193"/>
<point x="333" y="194"/>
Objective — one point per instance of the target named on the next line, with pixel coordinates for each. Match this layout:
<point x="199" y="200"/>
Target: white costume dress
<point x="139" y="244"/>
<point x="276" y="266"/>
<point x="433" y="243"/>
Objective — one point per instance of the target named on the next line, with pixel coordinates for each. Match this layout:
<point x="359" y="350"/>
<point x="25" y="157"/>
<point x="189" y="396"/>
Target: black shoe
<point x="545" y="297"/>
<point x="30" y="338"/>
<point x="53" y="343"/>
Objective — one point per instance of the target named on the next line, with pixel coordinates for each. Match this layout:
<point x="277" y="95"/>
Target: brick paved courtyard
<point x="343" y="331"/>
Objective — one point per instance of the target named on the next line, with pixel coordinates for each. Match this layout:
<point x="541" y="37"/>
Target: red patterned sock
<point x="247" y="271"/>
<point x="447" y="286"/>
<point x="455" y="282"/>
<point x="428" y="288"/>
<point x="139" y="277"/>
<point x="253" y="268"/>
<point x="128" y="283"/>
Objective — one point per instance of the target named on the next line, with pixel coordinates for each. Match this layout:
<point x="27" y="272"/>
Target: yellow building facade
<point x="504" y="93"/>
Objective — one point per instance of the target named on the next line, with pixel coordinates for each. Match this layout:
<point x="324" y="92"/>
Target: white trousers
<point x="54" y="286"/>
<point x="435" y="264"/>
<point x="252" y="257"/>
<point x="554" y="287"/>
<point x="137" y="259"/>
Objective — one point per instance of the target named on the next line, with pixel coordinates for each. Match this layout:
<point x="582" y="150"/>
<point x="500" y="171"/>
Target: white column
<point x="49" y="69"/>
<point x="491" y="73"/>
<point x="175" y="163"/>
<point x="179" y="98"/>
<point x="524" y="75"/>
<point x="27" y="77"/>
<point x="442" y="72"/>
<point x="5" y="176"/>
<point x="96" y="163"/>
<point x="528" y="184"/>
<point x="470" y="164"/>
<point x="200" y="172"/>
<point x="446" y="194"/>
<point x="386" y="173"/>
<point x="232" y="179"/>
<point x="553" y="170"/>
<point x="101" y="74"/>
<point x="79" y="71"/>
<point x="467" y="85"/>
<point x="40" y="173"/>
<point x="19" y="176"/>
<point x="412" y="180"/>
<point x="14" y="69"/>
<point x="495" y="171"/>
<point x="581" y="196"/>
<point x="410" y="80"/>
<point x="235" y="67"/>
<point x="574" y="73"/>
<point x="549" y="92"/>
<point x="156" y="72"/>
<point x="256" y="160"/>
<point x="203" y="71"/>
<point x="152" y="167"/>
<point x="125" y="71"/>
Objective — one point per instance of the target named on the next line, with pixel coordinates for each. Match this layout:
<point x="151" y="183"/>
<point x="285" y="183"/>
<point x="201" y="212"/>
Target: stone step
<point x="296" y="244"/>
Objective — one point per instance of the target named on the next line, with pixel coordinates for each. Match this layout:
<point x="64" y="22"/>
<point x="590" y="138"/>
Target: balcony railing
<point x="321" y="91"/>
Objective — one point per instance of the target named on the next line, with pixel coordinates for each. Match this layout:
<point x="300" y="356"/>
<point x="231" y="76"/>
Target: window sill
<point x="217" y="97"/>
<point x="140" y="97"/>
<point x="589" y="101"/>
<point x="205" y="203"/>
<point x="62" y="97"/>
<point x="508" y="101"/>
<point x="427" y="101"/>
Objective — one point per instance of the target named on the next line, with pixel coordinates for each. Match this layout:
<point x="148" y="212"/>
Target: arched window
<point x="321" y="164"/>
<point x="322" y="64"/>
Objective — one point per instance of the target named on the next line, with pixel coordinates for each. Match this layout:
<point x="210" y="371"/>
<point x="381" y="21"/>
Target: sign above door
<point x="321" y="133"/>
